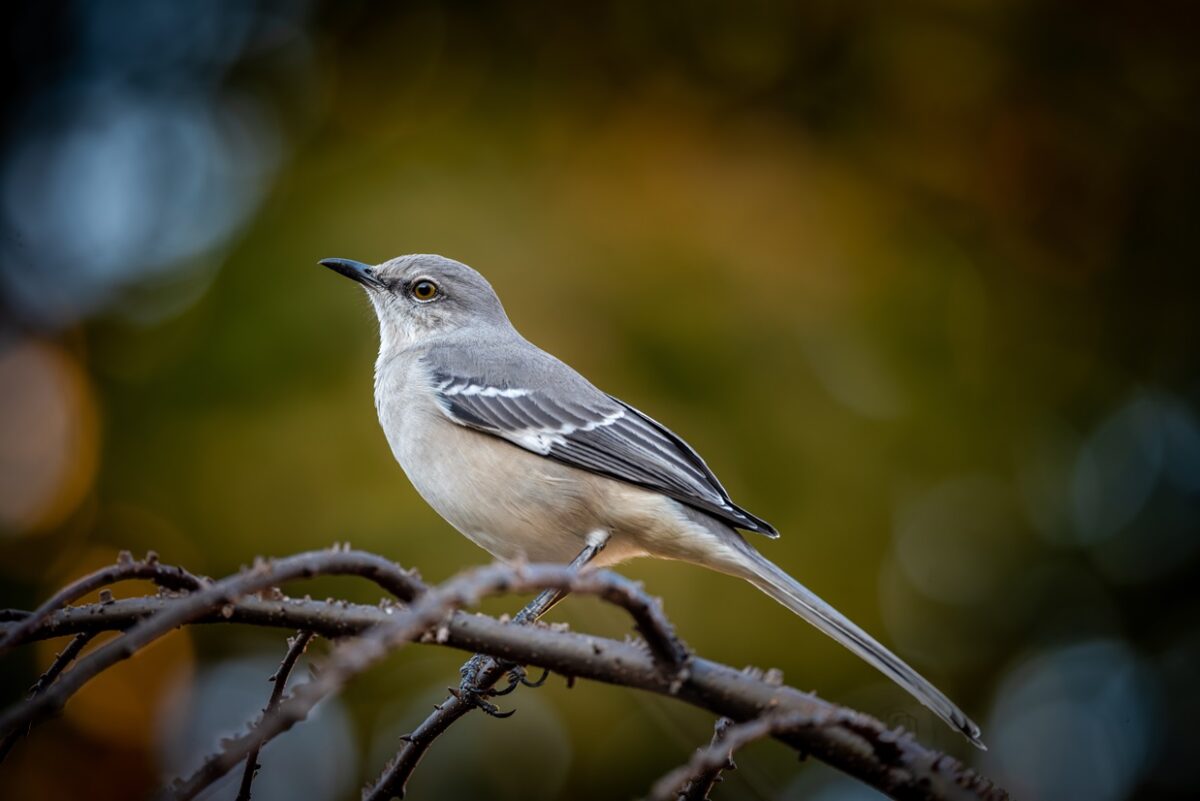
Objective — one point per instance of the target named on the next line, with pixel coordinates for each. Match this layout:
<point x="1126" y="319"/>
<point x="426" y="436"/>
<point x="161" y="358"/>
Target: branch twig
<point x="213" y="596"/>
<point x="705" y="777"/>
<point x="704" y="768"/>
<point x="61" y="661"/>
<point x="481" y="672"/>
<point x="296" y="646"/>
<point x="169" y="576"/>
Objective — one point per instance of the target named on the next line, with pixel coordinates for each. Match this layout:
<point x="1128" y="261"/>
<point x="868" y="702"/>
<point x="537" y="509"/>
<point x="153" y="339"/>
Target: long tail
<point x="786" y="590"/>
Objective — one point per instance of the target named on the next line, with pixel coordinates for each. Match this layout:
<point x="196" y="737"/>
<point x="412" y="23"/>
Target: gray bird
<point x="525" y="457"/>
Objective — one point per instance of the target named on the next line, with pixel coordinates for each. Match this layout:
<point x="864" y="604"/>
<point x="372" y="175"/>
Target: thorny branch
<point x="64" y="658"/>
<point x="429" y="611"/>
<point x="480" y="675"/>
<point x="861" y="746"/>
<point x="694" y="779"/>
<point x="168" y="576"/>
<point x="296" y="646"/>
<point x="703" y="778"/>
<point x="262" y="576"/>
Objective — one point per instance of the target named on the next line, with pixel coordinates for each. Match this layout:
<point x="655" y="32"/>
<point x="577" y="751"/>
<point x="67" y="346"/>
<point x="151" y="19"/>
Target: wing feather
<point x="597" y="433"/>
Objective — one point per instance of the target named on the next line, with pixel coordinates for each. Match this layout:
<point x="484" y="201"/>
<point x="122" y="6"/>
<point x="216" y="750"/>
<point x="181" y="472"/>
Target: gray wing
<point x="572" y="422"/>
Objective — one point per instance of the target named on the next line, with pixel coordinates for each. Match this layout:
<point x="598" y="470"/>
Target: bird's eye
<point x="424" y="290"/>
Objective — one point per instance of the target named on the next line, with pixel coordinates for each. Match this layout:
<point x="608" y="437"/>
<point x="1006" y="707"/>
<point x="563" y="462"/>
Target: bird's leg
<point x="472" y="689"/>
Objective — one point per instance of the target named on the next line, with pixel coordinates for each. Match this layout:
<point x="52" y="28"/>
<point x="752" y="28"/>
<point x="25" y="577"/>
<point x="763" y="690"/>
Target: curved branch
<point x="852" y="742"/>
<point x="703" y="770"/>
<point x="862" y="747"/>
<point x="481" y="672"/>
<point x="426" y="612"/>
<point x="262" y="576"/>
<point x="126" y="569"/>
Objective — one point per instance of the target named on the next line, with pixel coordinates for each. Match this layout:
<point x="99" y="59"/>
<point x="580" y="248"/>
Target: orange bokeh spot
<point x="49" y="437"/>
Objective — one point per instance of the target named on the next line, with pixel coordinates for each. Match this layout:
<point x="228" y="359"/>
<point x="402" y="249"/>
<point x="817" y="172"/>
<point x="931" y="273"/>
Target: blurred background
<point x="918" y="279"/>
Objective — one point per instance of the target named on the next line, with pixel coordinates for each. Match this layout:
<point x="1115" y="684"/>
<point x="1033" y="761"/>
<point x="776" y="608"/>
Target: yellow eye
<point x="424" y="290"/>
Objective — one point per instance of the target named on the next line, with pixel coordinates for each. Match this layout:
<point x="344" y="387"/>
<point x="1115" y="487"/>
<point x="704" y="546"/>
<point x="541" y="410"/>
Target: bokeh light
<point x="49" y="437"/>
<point x="913" y="278"/>
<point x="1079" y="721"/>
<point x="140" y="163"/>
<point x="318" y="762"/>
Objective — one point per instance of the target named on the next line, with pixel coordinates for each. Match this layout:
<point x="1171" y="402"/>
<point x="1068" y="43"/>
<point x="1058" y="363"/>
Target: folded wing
<point x="594" y="432"/>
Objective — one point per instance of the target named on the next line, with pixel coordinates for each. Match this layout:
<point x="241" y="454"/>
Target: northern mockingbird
<point x="525" y="457"/>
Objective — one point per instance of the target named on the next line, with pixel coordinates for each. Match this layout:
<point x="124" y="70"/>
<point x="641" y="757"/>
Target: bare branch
<point x="169" y="576"/>
<point x="64" y="658"/>
<point x="426" y="612"/>
<point x="481" y="673"/>
<point x="213" y="596"/>
<point x="854" y="743"/>
<point x="331" y="619"/>
<point x="296" y="646"/>
<point x="705" y="777"/>
<point x="865" y="750"/>
<point x="705" y="766"/>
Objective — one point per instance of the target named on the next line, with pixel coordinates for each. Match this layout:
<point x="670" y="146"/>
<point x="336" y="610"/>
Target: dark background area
<point x="918" y="280"/>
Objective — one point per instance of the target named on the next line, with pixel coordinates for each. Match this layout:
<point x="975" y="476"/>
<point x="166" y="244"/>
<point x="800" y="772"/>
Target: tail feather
<point x="786" y="590"/>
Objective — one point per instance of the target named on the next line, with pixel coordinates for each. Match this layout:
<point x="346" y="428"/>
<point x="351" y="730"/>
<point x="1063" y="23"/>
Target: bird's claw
<point x="517" y="677"/>
<point x="469" y="692"/>
<point x="473" y="697"/>
<point x="524" y="679"/>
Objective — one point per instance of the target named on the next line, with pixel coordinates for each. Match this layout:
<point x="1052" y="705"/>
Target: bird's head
<point x="422" y="296"/>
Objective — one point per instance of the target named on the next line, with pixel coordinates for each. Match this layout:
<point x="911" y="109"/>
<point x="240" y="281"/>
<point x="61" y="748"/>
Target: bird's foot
<point x="469" y="691"/>
<point x="472" y="696"/>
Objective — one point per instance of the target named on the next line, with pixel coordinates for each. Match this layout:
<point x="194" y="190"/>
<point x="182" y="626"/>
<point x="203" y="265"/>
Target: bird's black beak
<point x="356" y="270"/>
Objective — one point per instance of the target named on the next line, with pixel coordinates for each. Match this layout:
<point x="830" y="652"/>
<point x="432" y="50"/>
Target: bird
<point x="529" y="460"/>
